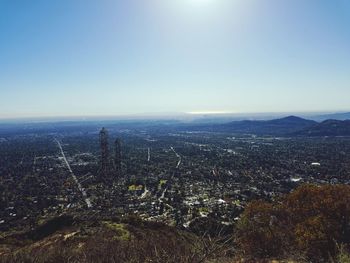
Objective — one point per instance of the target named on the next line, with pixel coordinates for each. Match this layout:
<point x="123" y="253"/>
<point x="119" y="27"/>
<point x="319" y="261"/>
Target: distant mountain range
<point x="288" y="126"/>
<point x="281" y="126"/>
<point x="334" y="116"/>
<point x="275" y="127"/>
<point x="327" y="128"/>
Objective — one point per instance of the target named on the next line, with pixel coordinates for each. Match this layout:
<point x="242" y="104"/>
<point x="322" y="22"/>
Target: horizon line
<point x="164" y="116"/>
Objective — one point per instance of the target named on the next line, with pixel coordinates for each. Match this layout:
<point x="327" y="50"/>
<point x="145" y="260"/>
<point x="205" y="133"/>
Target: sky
<point x="132" y="57"/>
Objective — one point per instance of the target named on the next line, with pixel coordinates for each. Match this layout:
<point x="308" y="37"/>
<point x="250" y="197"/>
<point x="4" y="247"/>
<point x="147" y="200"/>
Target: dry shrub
<point x="149" y="242"/>
<point x="309" y="221"/>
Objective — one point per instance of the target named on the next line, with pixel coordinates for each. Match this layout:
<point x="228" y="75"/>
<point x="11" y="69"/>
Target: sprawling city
<point x="185" y="177"/>
<point x="171" y="177"/>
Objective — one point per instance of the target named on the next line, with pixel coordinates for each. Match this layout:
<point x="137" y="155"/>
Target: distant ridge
<point x="341" y="116"/>
<point x="327" y="128"/>
<point x="277" y="126"/>
<point x="280" y="126"/>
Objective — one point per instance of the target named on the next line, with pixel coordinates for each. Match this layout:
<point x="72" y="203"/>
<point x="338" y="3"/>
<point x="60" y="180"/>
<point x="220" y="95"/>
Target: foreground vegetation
<point x="310" y="224"/>
<point x="67" y="239"/>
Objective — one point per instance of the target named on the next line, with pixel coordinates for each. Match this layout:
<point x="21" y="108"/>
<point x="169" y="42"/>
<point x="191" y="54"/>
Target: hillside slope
<point x="71" y="239"/>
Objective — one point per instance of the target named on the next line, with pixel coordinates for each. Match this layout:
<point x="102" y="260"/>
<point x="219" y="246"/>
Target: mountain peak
<point x="293" y="117"/>
<point x="293" y="120"/>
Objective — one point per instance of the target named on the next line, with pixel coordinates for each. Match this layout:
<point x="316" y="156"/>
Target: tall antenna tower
<point x="104" y="152"/>
<point x="118" y="157"/>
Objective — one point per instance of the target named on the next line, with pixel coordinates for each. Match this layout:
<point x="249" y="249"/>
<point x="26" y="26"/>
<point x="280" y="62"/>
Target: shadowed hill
<point x="327" y="128"/>
<point x="281" y="126"/>
<point x="342" y="116"/>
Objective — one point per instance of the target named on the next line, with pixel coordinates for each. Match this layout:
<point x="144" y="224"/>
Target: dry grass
<point x="111" y="242"/>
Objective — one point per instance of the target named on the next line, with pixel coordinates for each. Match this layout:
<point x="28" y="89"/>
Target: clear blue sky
<point x="104" y="57"/>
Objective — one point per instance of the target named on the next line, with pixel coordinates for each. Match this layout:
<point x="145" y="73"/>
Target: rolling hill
<point x="283" y="126"/>
<point x="327" y="128"/>
<point x="342" y="116"/>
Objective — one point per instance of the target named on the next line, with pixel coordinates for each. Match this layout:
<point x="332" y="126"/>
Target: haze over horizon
<point x="106" y="58"/>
